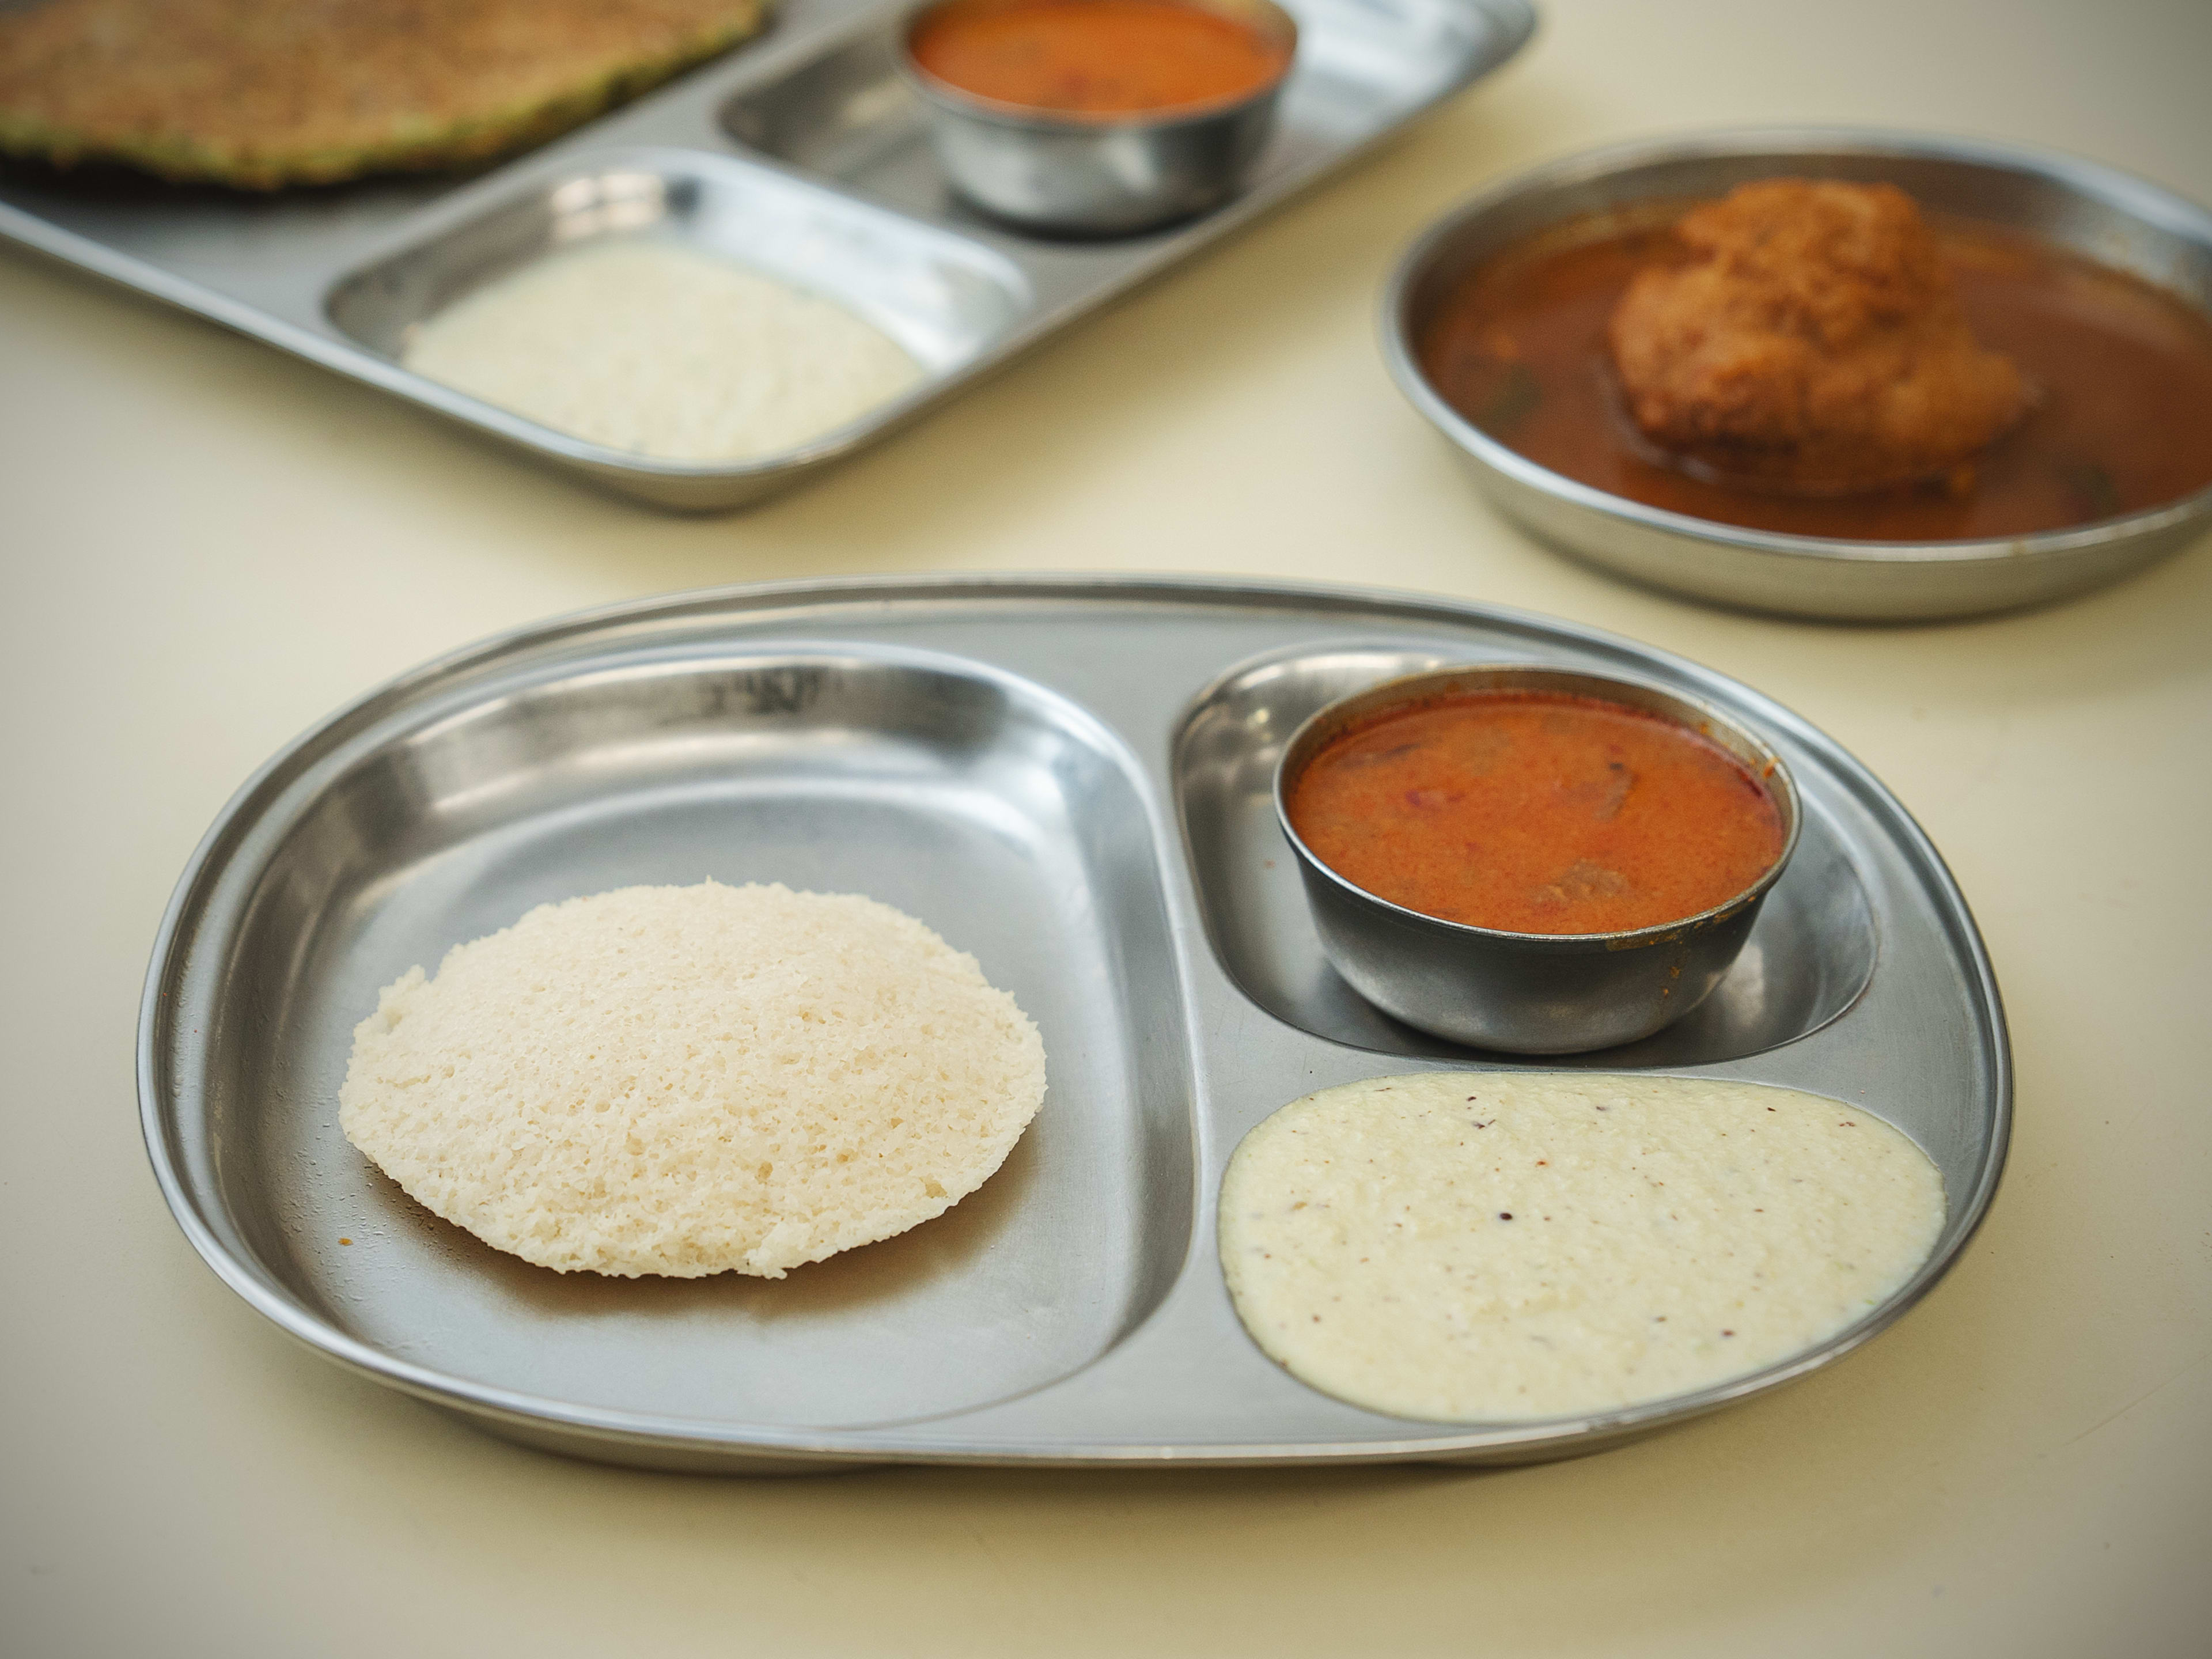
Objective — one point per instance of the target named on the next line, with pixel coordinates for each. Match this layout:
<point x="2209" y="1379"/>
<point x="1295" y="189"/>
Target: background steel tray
<point x="801" y="153"/>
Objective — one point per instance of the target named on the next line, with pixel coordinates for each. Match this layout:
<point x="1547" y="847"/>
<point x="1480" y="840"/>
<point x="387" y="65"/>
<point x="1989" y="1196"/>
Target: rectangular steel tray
<point x="1069" y="779"/>
<point x="802" y="153"/>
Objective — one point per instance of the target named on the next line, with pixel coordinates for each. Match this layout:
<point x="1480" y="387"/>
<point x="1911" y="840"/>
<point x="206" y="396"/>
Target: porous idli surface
<point x="694" y="1080"/>
<point x="1489" y="1247"/>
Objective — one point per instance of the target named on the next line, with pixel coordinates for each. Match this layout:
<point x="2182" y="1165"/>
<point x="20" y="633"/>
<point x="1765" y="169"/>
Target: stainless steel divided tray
<point x="1070" y="780"/>
<point x="803" y="155"/>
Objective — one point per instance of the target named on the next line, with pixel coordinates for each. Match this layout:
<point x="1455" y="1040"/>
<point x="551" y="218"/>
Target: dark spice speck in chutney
<point x="2123" y="371"/>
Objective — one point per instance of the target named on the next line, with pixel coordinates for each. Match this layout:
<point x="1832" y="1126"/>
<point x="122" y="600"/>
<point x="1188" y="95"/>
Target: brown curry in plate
<point x="2050" y="391"/>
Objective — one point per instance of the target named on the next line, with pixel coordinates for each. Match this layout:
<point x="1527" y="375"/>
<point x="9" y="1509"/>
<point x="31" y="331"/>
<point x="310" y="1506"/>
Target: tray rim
<point x="696" y="486"/>
<point x="542" y="1420"/>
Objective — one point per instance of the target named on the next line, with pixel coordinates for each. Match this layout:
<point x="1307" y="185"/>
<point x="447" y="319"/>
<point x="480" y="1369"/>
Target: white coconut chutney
<point x="1483" y="1247"/>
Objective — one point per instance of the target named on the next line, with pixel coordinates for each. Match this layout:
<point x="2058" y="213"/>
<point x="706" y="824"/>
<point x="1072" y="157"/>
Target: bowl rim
<point x="1771" y="767"/>
<point x="2127" y="192"/>
<point x="1032" y="118"/>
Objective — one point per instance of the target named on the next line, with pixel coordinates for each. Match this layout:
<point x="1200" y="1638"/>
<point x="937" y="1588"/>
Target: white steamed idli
<point x="694" y="1080"/>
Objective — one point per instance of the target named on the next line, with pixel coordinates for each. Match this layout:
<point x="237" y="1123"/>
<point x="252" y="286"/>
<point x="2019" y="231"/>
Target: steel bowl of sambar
<point x="1098" y="117"/>
<point x="1532" y="859"/>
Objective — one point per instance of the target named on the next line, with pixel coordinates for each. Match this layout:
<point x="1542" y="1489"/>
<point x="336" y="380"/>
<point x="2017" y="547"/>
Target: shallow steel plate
<point x="1070" y="780"/>
<point x="803" y="155"/>
<point x="2095" y="211"/>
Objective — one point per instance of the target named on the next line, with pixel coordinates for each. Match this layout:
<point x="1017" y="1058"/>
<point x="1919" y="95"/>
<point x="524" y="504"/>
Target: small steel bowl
<point x="2105" y="215"/>
<point x="1532" y="993"/>
<point x="1104" y="175"/>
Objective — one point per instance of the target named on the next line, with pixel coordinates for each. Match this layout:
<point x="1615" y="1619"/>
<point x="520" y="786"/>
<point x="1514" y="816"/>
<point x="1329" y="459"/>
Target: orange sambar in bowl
<point x="1537" y="813"/>
<point x="1097" y="57"/>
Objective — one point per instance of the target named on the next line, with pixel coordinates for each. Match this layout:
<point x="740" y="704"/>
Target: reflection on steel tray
<point x="1070" y="779"/>
<point x="803" y="155"/>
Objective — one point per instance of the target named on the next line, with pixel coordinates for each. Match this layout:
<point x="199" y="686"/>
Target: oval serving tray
<point x="1068" y="778"/>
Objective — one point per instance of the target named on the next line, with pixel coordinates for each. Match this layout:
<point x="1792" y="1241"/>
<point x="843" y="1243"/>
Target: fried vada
<point x="1802" y="337"/>
<point x="259" y="94"/>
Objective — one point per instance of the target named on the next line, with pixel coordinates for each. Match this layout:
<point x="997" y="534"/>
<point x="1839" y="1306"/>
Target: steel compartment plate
<point x="1065" y="777"/>
<point x="802" y="153"/>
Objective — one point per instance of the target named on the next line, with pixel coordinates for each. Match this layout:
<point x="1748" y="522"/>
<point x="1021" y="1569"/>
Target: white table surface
<point x="205" y="546"/>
